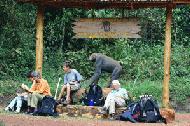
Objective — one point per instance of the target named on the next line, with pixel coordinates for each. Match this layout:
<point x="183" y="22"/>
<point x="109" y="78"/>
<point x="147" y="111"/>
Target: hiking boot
<point x="8" y="109"/>
<point x="35" y="112"/>
<point x="58" y="101"/>
<point x="66" y="102"/>
<point x="16" y="112"/>
<point x="103" y="110"/>
<point x="112" y="117"/>
<point x="30" y="110"/>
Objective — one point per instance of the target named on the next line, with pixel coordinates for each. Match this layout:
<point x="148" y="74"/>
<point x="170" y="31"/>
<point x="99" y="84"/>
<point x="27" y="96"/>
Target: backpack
<point x="94" y="97"/>
<point x="47" y="107"/>
<point x="149" y="110"/>
<point x="132" y="113"/>
<point x="145" y="110"/>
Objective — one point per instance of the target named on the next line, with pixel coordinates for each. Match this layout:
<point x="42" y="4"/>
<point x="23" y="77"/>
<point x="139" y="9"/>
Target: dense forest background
<point x="142" y="58"/>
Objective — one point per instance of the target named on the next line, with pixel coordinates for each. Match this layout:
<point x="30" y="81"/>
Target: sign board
<point x="106" y="28"/>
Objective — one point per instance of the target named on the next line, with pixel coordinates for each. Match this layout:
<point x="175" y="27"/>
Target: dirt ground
<point x="11" y="119"/>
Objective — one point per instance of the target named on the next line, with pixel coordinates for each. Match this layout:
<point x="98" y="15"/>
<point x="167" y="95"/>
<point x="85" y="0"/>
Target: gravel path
<point x="7" y="119"/>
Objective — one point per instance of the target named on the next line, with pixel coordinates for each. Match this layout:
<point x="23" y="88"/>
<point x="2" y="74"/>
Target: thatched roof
<point x="129" y="4"/>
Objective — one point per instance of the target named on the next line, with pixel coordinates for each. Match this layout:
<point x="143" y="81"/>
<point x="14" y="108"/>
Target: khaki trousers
<point x="34" y="98"/>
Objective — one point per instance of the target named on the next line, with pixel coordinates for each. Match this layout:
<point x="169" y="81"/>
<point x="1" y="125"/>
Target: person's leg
<point x="36" y="97"/>
<point x="11" y="105"/>
<point x="112" y="106"/>
<point x="68" y="98"/>
<point x="107" y="104"/>
<point x="19" y="104"/>
<point x="62" y="92"/>
<point x="114" y="103"/>
<point x="29" y="99"/>
<point x="120" y="102"/>
<point x="107" y="101"/>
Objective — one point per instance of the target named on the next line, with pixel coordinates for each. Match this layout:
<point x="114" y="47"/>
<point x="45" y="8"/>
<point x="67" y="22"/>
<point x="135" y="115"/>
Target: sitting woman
<point x="18" y="101"/>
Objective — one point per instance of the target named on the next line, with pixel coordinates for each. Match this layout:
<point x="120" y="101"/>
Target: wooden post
<point x="167" y="51"/>
<point x="39" y="38"/>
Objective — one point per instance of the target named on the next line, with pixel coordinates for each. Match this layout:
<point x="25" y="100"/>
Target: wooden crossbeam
<point x="100" y="4"/>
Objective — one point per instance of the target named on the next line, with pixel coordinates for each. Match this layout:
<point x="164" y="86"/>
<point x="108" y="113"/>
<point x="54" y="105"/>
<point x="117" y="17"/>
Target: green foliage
<point x="147" y="87"/>
<point x="179" y="89"/>
<point x="8" y="87"/>
<point x="142" y="59"/>
<point x="16" y="38"/>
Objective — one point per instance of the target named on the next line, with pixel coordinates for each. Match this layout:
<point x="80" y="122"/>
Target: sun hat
<point x="115" y="82"/>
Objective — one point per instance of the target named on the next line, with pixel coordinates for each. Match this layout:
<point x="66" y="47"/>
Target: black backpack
<point x="47" y="107"/>
<point x="149" y="110"/>
<point x="94" y="96"/>
<point x="145" y="110"/>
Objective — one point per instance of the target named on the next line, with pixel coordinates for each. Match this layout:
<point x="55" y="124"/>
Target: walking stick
<point x="57" y="88"/>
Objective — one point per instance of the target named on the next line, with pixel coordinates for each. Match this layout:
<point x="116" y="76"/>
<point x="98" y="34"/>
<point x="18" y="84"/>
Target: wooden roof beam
<point x="98" y="4"/>
<point x="104" y="5"/>
<point x="181" y="1"/>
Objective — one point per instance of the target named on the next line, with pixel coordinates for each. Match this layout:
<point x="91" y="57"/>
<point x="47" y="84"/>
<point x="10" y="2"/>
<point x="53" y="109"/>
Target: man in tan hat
<point x="116" y="98"/>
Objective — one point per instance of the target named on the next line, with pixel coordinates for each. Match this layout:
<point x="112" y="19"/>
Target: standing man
<point x="116" y="98"/>
<point x="107" y="64"/>
<point x="39" y="89"/>
<point x="72" y="80"/>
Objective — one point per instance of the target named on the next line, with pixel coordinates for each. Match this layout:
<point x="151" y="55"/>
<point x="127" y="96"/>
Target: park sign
<point x="106" y="28"/>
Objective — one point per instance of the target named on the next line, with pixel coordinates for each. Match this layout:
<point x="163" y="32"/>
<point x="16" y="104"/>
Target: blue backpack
<point x="94" y="96"/>
<point x="132" y="113"/>
<point x="47" y="107"/>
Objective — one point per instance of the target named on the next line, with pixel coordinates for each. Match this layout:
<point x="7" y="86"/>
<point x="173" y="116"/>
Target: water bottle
<point x="91" y="102"/>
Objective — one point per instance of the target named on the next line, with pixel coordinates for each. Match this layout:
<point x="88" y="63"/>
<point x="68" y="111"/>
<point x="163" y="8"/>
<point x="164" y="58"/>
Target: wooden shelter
<point x="102" y="4"/>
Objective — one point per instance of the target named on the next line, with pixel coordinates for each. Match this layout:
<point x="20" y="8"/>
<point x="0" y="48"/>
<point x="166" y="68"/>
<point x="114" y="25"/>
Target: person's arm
<point x="78" y="76"/>
<point x="65" y="80"/>
<point x="97" y="73"/>
<point x="125" y="94"/>
<point x="25" y="87"/>
<point x="33" y="87"/>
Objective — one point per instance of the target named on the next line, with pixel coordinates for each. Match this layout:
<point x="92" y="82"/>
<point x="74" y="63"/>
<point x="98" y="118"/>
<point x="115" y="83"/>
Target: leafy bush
<point x="147" y="87"/>
<point x="179" y="89"/>
<point x="142" y="59"/>
<point x="8" y="87"/>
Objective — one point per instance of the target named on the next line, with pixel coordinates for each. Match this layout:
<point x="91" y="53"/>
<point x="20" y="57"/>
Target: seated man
<point x="18" y="101"/>
<point x="39" y="89"/>
<point x="116" y="98"/>
<point x="72" y="80"/>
